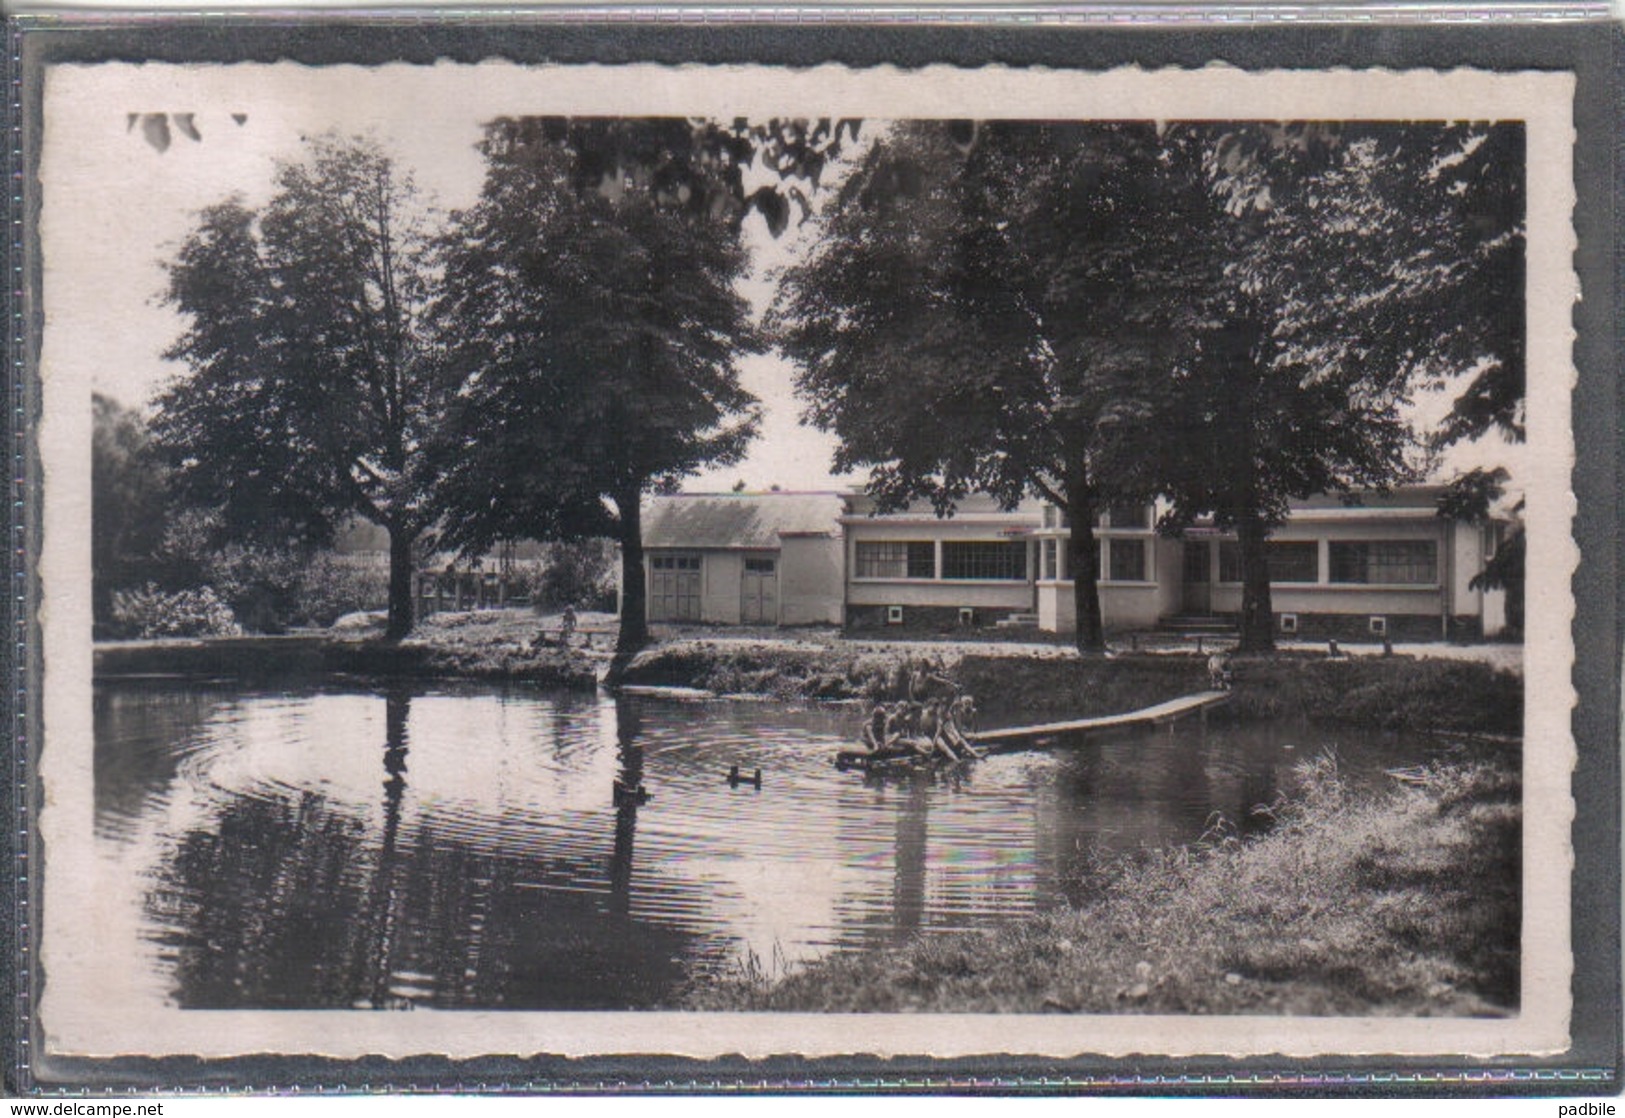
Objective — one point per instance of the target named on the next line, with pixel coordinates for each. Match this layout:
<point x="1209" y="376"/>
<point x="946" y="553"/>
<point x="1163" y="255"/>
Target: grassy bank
<point x="496" y="645"/>
<point x="1403" y="902"/>
<point x="1393" y="693"/>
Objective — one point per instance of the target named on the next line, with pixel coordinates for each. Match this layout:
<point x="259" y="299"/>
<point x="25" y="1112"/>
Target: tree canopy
<point x="1230" y="316"/>
<point x="986" y="311"/>
<point x="1353" y="266"/>
<point x="312" y="394"/>
<point x="596" y="335"/>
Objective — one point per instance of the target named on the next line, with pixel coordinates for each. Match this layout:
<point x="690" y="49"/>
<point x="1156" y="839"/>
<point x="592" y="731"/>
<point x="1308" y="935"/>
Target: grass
<point x="1402" y="902"/>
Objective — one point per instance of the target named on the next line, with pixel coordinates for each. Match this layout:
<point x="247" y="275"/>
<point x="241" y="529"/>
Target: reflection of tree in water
<point x="291" y="900"/>
<point x="909" y="880"/>
<point x="141" y="734"/>
<point x="630" y="755"/>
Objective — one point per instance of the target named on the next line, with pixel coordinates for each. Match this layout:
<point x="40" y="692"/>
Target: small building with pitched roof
<point x="744" y="558"/>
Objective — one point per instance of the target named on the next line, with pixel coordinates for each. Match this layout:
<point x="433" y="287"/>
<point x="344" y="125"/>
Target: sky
<point x="142" y="203"/>
<point x="107" y="324"/>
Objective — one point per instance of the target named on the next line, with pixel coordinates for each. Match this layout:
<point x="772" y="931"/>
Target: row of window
<point x="1125" y="560"/>
<point x="1117" y="516"/>
<point x="963" y="559"/>
<point x="1372" y="562"/>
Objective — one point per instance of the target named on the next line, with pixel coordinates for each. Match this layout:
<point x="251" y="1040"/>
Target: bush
<point x="261" y="583"/>
<point x="579" y="574"/>
<point x="330" y="587"/>
<point x="151" y="612"/>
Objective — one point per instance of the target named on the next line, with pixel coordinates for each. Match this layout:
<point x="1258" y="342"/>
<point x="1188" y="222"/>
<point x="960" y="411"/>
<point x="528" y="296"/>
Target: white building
<point x="744" y="558"/>
<point x="1388" y="567"/>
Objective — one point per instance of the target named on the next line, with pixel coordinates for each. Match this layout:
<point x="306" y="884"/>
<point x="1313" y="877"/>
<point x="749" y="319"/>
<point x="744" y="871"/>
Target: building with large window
<point x="1388" y="567"/>
<point x="916" y="570"/>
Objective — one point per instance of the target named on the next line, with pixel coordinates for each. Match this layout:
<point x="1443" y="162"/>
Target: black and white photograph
<point x="712" y="560"/>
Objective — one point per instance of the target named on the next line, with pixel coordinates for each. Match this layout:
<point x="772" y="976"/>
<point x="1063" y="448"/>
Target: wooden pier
<point x="1013" y="738"/>
<point x="1016" y="736"/>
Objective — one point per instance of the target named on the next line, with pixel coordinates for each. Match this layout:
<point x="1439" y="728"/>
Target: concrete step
<point x="1197" y="623"/>
<point x="1017" y="621"/>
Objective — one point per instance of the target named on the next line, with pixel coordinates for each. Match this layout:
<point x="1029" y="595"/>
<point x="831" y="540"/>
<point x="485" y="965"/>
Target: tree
<point x="594" y="327"/>
<point x="988" y="309"/>
<point x="1355" y="265"/>
<point x="129" y="499"/>
<point x="1471" y="497"/>
<point x="311" y="395"/>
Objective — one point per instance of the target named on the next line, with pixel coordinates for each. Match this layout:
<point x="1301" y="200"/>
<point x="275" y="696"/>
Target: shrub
<point x="261" y="583"/>
<point x="151" y="612"/>
<point x="580" y="574"/>
<point x="330" y="587"/>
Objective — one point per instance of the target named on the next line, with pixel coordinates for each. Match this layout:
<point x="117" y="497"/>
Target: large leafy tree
<point x="311" y="394"/>
<point x="129" y="503"/>
<point x="591" y="314"/>
<point x="1352" y="265"/>
<point x="989" y="308"/>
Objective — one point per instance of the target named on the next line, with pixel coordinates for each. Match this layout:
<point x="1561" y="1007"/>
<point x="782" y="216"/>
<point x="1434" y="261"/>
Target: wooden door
<point x="674" y="588"/>
<point x="1197" y="576"/>
<point x="759" y="592"/>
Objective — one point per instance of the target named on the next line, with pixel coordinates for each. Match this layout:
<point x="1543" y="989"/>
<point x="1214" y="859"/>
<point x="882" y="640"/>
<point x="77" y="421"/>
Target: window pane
<point x="1130" y="516"/>
<point x="881" y="560"/>
<point x="1397" y="562"/>
<point x="1297" y="561"/>
<point x="761" y="566"/>
<point x="1293" y="562"/>
<point x="922" y="559"/>
<point x="1127" y="560"/>
<point x="1050" y="549"/>
<point x="877" y="559"/>
<point x="1002" y="560"/>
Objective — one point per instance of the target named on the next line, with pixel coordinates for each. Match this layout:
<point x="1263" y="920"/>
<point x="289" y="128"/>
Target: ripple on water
<point x="461" y="846"/>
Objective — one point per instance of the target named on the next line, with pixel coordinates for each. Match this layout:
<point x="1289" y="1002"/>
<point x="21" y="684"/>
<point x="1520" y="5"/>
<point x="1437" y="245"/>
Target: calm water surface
<point x="460" y="847"/>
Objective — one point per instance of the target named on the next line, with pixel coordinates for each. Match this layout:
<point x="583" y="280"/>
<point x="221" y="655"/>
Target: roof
<point x="738" y="520"/>
<point x="977" y="508"/>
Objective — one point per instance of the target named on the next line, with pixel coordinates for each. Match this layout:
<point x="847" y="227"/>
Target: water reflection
<point x="461" y="847"/>
<point x="630" y="776"/>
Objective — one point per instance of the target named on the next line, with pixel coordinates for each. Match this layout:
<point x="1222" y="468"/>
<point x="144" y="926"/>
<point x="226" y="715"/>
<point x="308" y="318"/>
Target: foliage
<point x="1401" y="900"/>
<point x="331" y="586"/>
<point x="596" y="333"/>
<point x="696" y="167"/>
<point x="578" y="573"/>
<point x="1354" y="264"/>
<point x="973" y="320"/>
<point x="311" y="394"/>
<point x="150" y="613"/>
<point x="129" y="497"/>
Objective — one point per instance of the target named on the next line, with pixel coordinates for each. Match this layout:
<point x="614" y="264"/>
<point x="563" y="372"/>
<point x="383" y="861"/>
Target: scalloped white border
<point x="76" y="1020"/>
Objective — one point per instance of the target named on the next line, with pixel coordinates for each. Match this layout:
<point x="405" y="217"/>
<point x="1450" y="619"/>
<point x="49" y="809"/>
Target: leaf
<point x="155" y="128"/>
<point x="773" y="208"/>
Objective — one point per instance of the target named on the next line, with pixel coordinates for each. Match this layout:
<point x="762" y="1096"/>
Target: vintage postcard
<point x="747" y="560"/>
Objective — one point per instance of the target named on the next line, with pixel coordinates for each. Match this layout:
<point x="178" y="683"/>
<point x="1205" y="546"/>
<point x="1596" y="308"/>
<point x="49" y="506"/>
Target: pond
<point x="459" y="846"/>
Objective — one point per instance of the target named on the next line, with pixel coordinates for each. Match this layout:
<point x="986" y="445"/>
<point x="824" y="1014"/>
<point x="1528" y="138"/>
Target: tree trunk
<point x="1257" y="611"/>
<point x="634" y="630"/>
<point x="1083" y="564"/>
<point x="400" y="582"/>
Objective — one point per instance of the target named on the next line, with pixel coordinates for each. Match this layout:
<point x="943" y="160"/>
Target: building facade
<point x="744" y="558"/>
<point x="1389" y="567"/>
